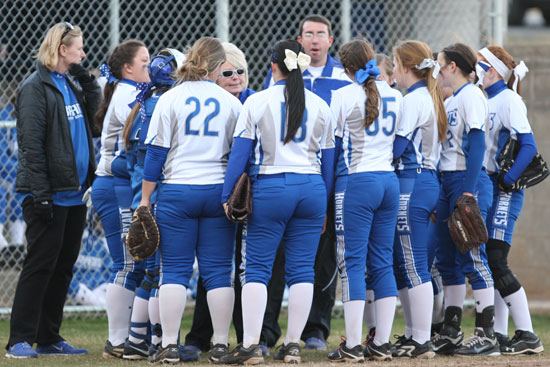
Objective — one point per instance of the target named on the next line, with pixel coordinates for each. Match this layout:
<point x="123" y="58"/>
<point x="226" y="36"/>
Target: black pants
<point x="201" y="330"/>
<point x="52" y="250"/>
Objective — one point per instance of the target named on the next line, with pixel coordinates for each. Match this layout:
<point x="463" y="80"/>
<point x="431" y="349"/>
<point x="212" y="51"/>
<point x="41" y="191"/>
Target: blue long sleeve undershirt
<point x="399" y="145"/>
<point x="154" y="161"/>
<point x="240" y="152"/>
<point x="474" y="160"/>
<point x="527" y="150"/>
<point x="327" y="169"/>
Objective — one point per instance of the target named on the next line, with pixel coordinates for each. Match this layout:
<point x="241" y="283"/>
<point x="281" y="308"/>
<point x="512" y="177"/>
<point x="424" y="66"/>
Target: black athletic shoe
<point x="170" y="354"/>
<point x="523" y="342"/>
<point x="447" y="340"/>
<point x="289" y="353"/>
<point x="400" y="340"/>
<point x="136" y="351"/>
<point x="345" y="354"/>
<point x="503" y="341"/>
<point x="370" y="337"/>
<point x="153" y="349"/>
<point x="113" y="351"/>
<point x="379" y="353"/>
<point x="480" y="344"/>
<point x="217" y="351"/>
<point x="412" y="349"/>
<point x="241" y="355"/>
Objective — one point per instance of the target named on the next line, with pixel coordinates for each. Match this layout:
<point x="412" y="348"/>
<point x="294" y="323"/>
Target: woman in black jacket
<point x="56" y="166"/>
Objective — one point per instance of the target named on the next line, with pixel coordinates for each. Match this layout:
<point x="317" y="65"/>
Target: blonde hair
<point x="236" y="57"/>
<point x="48" y="53"/>
<point x="507" y="59"/>
<point x="384" y="62"/>
<point x="205" y="56"/>
<point x="411" y="54"/>
<point x="353" y="56"/>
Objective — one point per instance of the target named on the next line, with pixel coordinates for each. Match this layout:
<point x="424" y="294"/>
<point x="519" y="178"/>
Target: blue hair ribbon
<point x="144" y="89"/>
<point x="106" y="73"/>
<point x="370" y="70"/>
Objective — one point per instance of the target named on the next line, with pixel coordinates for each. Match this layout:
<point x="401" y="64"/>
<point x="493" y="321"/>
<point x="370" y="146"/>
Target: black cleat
<point x="345" y="354"/>
<point x="480" y="344"/>
<point x="113" y="351"/>
<point x="523" y="342"/>
<point x="379" y="353"/>
<point x="170" y="354"/>
<point x="370" y="337"/>
<point x="412" y="349"/>
<point x="447" y="340"/>
<point x="241" y="355"/>
<point x="503" y="341"/>
<point x="217" y="351"/>
<point x="289" y="353"/>
<point x="400" y="340"/>
<point x="135" y="351"/>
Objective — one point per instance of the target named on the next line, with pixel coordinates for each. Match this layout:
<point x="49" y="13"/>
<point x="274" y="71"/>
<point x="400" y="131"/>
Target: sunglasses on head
<point x="230" y="73"/>
<point x="68" y="27"/>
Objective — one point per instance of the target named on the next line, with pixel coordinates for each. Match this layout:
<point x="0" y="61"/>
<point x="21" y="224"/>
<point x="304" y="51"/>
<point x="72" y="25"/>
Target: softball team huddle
<point x="392" y="164"/>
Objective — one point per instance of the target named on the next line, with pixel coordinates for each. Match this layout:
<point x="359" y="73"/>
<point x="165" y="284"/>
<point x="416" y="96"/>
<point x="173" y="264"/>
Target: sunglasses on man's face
<point x="230" y="73"/>
<point x="68" y="27"/>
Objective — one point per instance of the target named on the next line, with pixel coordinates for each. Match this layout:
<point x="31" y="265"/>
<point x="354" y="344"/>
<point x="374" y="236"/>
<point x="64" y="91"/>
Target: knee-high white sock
<point x="119" y="308"/>
<point x="140" y="315"/>
<point x="154" y="318"/>
<point x="370" y="313"/>
<point x="300" y="297"/>
<point x="501" y="315"/>
<point x="220" y="304"/>
<point x="484" y="298"/>
<point x="519" y="309"/>
<point x="353" y="312"/>
<point x="254" y="301"/>
<point x="385" y="311"/>
<point x="406" y="306"/>
<point x="172" y="298"/>
<point x="454" y="295"/>
<point x="439" y="308"/>
<point x="421" y="300"/>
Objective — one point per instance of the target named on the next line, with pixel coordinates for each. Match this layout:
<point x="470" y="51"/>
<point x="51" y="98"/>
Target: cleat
<point x="289" y="353"/>
<point x="135" y="351"/>
<point x="447" y="340"/>
<point x="241" y="355"/>
<point x="480" y="344"/>
<point x="379" y="353"/>
<point x="503" y="341"/>
<point x="348" y="355"/>
<point x="217" y="351"/>
<point x="410" y="348"/>
<point x="370" y="337"/>
<point x="21" y="350"/>
<point x="170" y="354"/>
<point x="400" y="340"/>
<point x="265" y="349"/>
<point x="111" y="351"/>
<point x="523" y="342"/>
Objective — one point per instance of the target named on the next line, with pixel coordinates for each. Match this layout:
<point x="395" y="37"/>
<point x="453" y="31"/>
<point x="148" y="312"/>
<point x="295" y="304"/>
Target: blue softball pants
<point x="191" y="222"/>
<point x="453" y="265"/>
<point x="289" y="207"/>
<point x="368" y="203"/>
<point x="504" y="212"/>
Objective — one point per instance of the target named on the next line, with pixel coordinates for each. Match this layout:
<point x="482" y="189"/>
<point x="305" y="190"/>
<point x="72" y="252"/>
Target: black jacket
<point x="47" y="162"/>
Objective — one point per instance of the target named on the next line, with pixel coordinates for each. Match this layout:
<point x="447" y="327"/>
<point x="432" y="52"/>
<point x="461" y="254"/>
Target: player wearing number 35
<point x="287" y="133"/>
<point x="189" y="139"/>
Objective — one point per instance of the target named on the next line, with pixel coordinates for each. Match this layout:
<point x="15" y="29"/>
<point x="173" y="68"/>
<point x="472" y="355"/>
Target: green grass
<point x="91" y="334"/>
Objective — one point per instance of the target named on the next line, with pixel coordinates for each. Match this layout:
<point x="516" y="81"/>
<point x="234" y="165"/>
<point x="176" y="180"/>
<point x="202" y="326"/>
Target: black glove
<point x="80" y="73"/>
<point x="503" y="186"/>
<point x="44" y="209"/>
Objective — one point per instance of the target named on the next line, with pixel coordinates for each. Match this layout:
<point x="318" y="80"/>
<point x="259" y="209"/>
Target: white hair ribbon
<point x="519" y="72"/>
<point x="429" y="63"/>
<point x="496" y="63"/>
<point x="293" y="61"/>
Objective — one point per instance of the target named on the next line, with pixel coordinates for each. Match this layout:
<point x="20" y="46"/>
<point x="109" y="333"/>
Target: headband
<point x="519" y="71"/>
<point x="460" y="61"/>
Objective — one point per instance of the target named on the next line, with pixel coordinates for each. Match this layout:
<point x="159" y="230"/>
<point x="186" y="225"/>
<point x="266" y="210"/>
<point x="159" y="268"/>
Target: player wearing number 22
<point x="189" y="139"/>
<point x="287" y="133"/>
<point x="366" y="198"/>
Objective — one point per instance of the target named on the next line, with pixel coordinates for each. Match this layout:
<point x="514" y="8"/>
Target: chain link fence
<point x="176" y="23"/>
